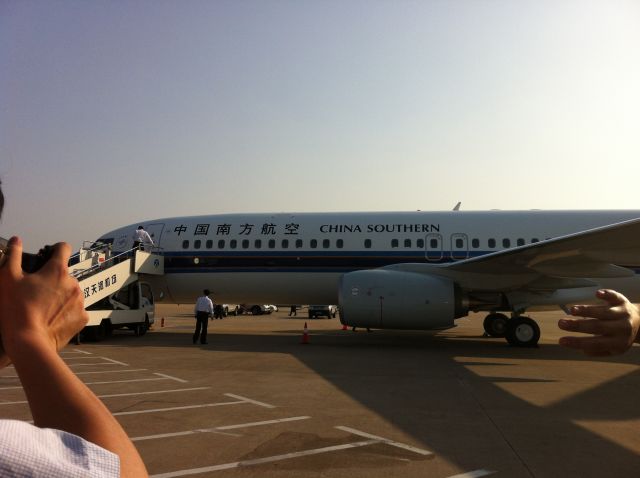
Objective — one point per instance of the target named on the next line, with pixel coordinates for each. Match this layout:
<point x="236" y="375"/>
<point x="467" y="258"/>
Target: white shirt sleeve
<point x="27" y="451"/>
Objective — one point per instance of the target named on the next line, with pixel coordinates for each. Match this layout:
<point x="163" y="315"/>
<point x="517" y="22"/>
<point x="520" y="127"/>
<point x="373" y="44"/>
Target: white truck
<point x="132" y="307"/>
<point x="115" y="293"/>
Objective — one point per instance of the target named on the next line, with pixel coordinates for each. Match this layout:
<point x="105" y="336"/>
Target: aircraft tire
<point x="523" y="332"/>
<point x="495" y="325"/>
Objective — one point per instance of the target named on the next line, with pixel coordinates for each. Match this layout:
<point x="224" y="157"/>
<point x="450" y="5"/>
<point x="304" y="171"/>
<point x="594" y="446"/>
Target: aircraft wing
<point x="565" y="262"/>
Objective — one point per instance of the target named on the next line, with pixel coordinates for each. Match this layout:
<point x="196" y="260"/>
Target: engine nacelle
<point x="386" y="299"/>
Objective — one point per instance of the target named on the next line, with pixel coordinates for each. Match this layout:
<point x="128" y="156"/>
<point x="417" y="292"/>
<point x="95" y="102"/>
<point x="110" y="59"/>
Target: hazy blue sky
<point x="112" y="112"/>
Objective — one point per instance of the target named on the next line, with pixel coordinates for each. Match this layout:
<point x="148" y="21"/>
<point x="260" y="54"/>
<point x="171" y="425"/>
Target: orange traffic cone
<point x="305" y="335"/>
<point x="162" y="322"/>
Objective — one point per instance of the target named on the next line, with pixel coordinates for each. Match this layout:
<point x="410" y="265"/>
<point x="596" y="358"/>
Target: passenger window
<point x="420" y="243"/>
<point x="285" y="243"/>
<point x="221" y="244"/>
<point x="326" y="243"/>
<point x="475" y="243"/>
<point x="209" y="244"/>
<point x="459" y="243"/>
<point x="185" y="244"/>
<point x="521" y="242"/>
<point x="433" y="243"/>
<point x="298" y="243"/>
<point x="394" y="243"/>
<point x="197" y="243"/>
<point x="272" y="243"/>
<point x="245" y="243"/>
<point x="535" y="240"/>
<point x="492" y="243"/>
<point x="339" y="243"/>
<point x="313" y="243"/>
<point x="367" y="243"/>
<point x="506" y="243"/>
<point x="257" y="243"/>
<point x="233" y="243"/>
<point x="407" y="243"/>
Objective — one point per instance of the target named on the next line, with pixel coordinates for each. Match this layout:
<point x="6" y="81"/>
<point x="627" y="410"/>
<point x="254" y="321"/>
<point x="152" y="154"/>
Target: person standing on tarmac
<point x="203" y="310"/>
<point x="218" y="311"/>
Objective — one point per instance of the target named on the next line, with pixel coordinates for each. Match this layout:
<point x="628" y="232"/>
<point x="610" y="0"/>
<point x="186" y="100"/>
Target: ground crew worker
<point x="203" y="310"/>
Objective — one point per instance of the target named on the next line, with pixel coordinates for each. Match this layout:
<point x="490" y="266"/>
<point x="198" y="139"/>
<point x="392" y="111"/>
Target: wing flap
<point x="565" y="262"/>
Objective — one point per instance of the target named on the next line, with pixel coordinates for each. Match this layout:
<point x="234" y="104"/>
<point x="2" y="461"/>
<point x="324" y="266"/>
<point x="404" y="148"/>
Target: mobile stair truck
<point x="115" y="293"/>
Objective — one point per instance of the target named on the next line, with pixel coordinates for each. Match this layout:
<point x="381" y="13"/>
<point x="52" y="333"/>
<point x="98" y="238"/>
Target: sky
<point x="115" y="112"/>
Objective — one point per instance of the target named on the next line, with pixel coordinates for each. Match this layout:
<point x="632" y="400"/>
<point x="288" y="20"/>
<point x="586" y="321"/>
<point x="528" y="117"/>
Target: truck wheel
<point x="139" y="330"/>
<point x="99" y="332"/>
<point x="255" y="310"/>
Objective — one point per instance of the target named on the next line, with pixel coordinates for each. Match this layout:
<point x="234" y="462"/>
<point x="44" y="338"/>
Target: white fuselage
<point x="299" y="258"/>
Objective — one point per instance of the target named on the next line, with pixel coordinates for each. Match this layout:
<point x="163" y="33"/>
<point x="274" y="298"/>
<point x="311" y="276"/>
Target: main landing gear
<point x="520" y="331"/>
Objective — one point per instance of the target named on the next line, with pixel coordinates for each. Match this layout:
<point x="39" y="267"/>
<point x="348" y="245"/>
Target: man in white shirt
<point x="203" y="310"/>
<point x="140" y="236"/>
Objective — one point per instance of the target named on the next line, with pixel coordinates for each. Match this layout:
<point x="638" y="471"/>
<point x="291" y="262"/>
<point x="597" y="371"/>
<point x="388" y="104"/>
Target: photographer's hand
<point x="46" y="307"/>
<point x="614" y="326"/>
<point x="39" y="313"/>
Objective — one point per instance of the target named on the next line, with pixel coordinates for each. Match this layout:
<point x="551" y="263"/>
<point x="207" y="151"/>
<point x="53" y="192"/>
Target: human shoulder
<point x="26" y="450"/>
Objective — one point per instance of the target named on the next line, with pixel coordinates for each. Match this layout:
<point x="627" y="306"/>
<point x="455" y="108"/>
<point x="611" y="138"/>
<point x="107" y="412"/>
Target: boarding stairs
<point x="100" y="273"/>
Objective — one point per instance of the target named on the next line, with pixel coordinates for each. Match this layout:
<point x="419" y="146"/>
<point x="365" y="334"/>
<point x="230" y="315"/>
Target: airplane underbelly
<point x="256" y="287"/>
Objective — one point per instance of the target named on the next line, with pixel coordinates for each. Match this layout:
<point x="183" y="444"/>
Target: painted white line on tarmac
<point x="269" y="459"/>
<point x="474" y="474"/>
<point x="257" y="424"/>
<point x="65" y="352"/>
<point x="171" y="378"/>
<point x="115" y="361"/>
<point x="126" y="381"/>
<point x="154" y="392"/>
<point x="185" y="407"/>
<point x="222" y="428"/>
<point x="248" y="400"/>
<point x="385" y="440"/>
<point x="84" y="358"/>
<point x="112" y="371"/>
<point x="129" y="394"/>
<point x="89" y="364"/>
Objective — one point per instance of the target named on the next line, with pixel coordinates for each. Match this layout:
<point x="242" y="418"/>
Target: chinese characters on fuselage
<point x="266" y="229"/>
<point x="270" y="229"/>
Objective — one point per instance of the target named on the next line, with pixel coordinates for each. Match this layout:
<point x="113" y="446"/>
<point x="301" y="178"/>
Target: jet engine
<point x="387" y="299"/>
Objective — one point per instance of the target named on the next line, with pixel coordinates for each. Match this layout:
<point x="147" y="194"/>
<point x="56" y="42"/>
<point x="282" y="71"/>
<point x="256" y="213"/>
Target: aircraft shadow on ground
<point x="361" y="364"/>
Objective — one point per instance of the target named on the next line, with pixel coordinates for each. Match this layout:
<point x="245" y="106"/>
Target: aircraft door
<point x="459" y="246"/>
<point x="433" y="247"/>
<point x="155" y="231"/>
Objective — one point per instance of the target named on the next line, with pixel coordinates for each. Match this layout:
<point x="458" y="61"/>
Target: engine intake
<point x="386" y="299"/>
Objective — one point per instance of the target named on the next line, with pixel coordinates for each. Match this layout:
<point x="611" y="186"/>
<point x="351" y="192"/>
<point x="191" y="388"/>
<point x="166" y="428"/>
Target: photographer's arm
<point x="39" y="313"/>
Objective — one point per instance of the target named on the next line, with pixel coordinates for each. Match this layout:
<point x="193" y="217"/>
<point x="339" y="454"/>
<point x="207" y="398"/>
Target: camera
<point x="30" y="262"/>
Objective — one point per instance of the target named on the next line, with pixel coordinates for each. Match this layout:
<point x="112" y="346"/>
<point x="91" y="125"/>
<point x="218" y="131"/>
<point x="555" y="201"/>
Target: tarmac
<point x="256" y="401"/>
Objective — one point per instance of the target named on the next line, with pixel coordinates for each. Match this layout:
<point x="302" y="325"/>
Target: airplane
<point x="401" y="270"/>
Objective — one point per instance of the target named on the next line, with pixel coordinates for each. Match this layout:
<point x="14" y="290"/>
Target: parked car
<point x="329" y="311"/>
<point x="256" y="309"/>
<point x="230" y="309"/>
